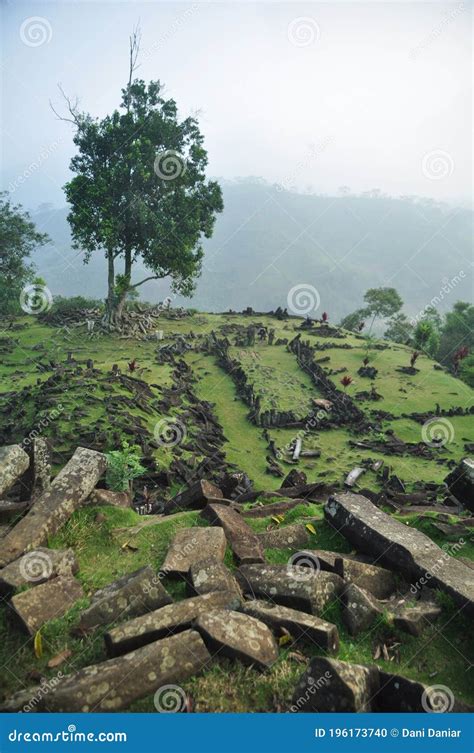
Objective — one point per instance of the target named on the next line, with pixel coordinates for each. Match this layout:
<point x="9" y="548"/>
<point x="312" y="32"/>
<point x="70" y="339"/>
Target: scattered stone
<point x="69" y="489"/>
<point x="299" y="624"/>
<point x="14" y="461"/>
<point x="41" y="468"/>
<point x="329" y="685"/>
<point x="399" y="694"/>
<point x="11" y="511"/>
<point x="106" y="497"/>
<point x="376" y="580"/>
<point x="352" y="477"/>
<point x="37" y="567"/>
<point x="238" y="636"/>
<point x="193" y="498"/>
<point x="191" y="545"/>
<point x="46" y="602"/>
<point x="244" y="543"/>
<point x="273" y="508"/>
<point x="130" y="596"/>
<point x="295" y="587"/>
<point x="360" y="609"/>
<point x="207" y="576"/>
<point x="461" y="482"/>
<point x="415" y="619"/>
<point x="170" y="619"/>
<point x="285" y="537"/>
<point x="403" y="549"/>
<point x="114" y="684"/>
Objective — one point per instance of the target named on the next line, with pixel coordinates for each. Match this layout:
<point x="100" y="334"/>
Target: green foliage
<point x="466" y="370"/>
<point x="458" y="331"/>
<point x="382" y="302"/>
<point x="399" y="329"/>
<point x="353" y="321"/>
<point x="426" y="337"/>
<point x="76" y="303"/>
<point x="123" y="466"/>
<point x="18" y="238"/>
<point x="140" y="190"/>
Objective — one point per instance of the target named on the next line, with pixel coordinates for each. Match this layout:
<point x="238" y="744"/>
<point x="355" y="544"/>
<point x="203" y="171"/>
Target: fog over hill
<point x="268" y="240"/>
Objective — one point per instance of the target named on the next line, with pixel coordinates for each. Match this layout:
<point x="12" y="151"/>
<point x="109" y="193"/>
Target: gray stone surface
<point x="194" y="497"/>
<point x="164" y="621"/>
<point x="130" y="596"/>
<point x="35" y="567"/>
<point x="114" y="684"/>
<point x="300" y="625"/>
<point x="401" y="695"/>
<point x="376" y="580"/>
<point x="461" y="482"/>
<point x="207" y="576"/>
<point x="191" y="545"/>
<point x="329" y="685"/>
<point x="285" y="537"/>
<point x="238" y="636"/>
<point x="108" y="498"/>
<point x="69" y="489"/>
<point x="14" y="461"/>
<point x="295" y="587"/>
<point x="48" y="601"/>
<point x="244" y="543"/>
<point x="360" y="609"/>
<point x="400" y="548"/>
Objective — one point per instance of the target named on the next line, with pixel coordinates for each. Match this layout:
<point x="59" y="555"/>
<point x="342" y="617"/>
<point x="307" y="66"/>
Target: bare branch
<point x="147" y="279"/>
<point x="72" y="108"/>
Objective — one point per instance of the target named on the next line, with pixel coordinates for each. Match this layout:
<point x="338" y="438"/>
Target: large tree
<point x="18" y="238"/>
<point x="382" y="303"/>
<point x="140" y="191"/>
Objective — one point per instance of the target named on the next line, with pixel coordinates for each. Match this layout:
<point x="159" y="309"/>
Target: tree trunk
<point x="110" y="287"/>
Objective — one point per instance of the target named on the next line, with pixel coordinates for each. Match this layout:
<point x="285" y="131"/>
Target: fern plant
<point x="123" y="466"/>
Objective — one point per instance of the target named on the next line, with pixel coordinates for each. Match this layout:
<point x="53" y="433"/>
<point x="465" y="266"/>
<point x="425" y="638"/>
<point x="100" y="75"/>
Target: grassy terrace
<point x="111" y="542"/>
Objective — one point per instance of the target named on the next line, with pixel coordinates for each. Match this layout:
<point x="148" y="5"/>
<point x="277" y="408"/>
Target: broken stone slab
<point x="173" y="618"/>
<point x="272" y="508"/>
<point x="300" y="625"/>
<point x="69" y="489"/>
<point x="295" y="587"/>
<point x="360" y="609"/>
<point x="207" y="576"/>
<point x="106" y="497"/>
<point x="40" y="467"/>
<point x="461" y="482"/>
<point x="131" y="595"/>
<point x="244" y="543"/>
<point x="191" y="545"/>
<point x="193" y="498"/>
<point x="114" y="684"/>
<point x="11" y="511"/>
<point x="399" y="694"/>
<point x="400" y="547"/>
<point x="415" y="619"/>
<point x="14" y="461"/>
<point x="48" y="601"/>
<point x="376" y="580"/>
<point x="329" y="685"/>
<point x="285" y="537"/>
<point x="238" y="636"/>
<point x="37" y="567"/>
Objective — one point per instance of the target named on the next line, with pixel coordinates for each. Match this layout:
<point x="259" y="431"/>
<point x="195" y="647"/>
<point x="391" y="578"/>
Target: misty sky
<point x="310" y="95"/>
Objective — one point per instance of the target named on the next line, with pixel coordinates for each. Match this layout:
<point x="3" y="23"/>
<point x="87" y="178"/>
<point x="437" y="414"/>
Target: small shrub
<point x="123" y="466"/>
